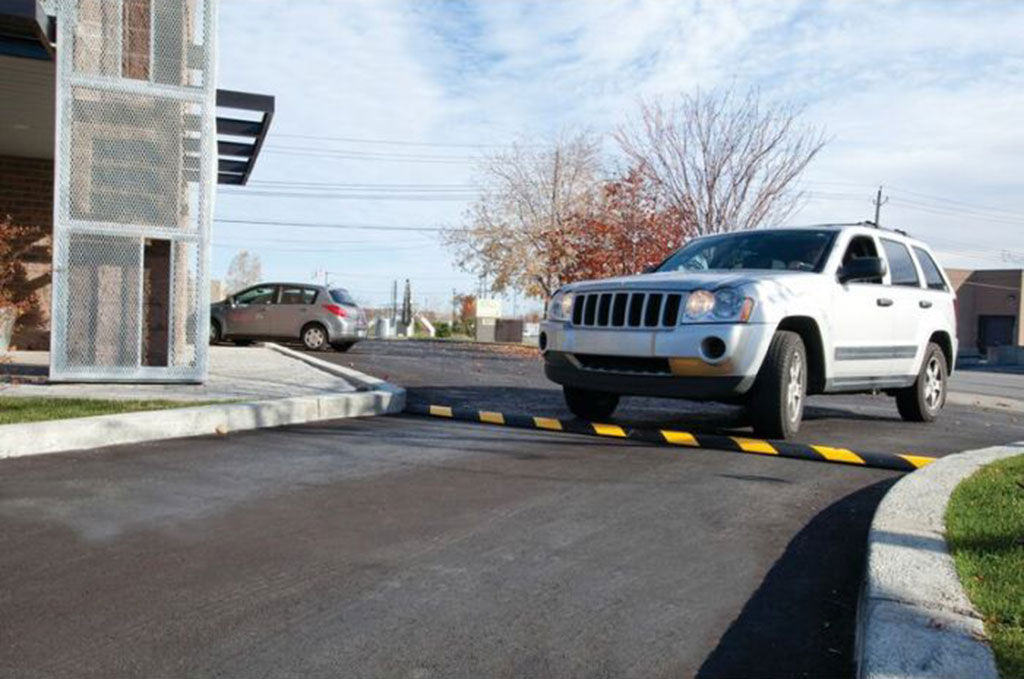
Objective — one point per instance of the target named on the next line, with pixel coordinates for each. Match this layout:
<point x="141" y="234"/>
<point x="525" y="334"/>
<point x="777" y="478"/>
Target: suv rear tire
<point x="923" y="401"/>
<point x="590" y="405"/>
<point x="215" y="333"/>
<point x="780" y="390"/>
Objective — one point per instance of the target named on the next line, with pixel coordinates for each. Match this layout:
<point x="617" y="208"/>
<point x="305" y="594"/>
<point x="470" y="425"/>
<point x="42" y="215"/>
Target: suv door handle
<point x="925" y="304"/>
<point x="884" y="301"/>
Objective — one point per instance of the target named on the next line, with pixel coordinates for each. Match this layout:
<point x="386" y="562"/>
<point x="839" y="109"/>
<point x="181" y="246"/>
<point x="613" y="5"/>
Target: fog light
<point x="713" y="348"/>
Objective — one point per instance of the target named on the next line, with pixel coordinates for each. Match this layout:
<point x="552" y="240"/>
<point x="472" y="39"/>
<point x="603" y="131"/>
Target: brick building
<point x="991" y="305"/>
<point x="113" y="136"/>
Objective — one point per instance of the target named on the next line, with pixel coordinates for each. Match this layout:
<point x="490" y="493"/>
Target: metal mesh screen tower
<point x="135" y="171"/>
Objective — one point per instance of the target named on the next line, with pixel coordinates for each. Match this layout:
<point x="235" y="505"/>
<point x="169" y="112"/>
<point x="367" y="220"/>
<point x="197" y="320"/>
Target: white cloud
<point x="922" y="96"/>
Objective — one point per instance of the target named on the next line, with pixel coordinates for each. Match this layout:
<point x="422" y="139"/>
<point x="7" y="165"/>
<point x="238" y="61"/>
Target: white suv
<point x="763" y="318"/>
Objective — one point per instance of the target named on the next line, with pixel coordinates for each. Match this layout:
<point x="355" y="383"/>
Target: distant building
<point x="113" y="136"/>
<point x="991" y="303"/>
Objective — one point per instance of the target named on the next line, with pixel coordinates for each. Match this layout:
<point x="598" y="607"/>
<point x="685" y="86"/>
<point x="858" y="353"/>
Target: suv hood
<point x="691" y="280"/>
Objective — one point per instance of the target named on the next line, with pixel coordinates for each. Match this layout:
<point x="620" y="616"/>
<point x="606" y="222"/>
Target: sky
<point x="385" y="107"/>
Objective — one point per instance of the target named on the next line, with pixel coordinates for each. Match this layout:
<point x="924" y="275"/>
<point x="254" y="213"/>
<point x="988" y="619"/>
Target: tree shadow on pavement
<point x="801" y="621"/>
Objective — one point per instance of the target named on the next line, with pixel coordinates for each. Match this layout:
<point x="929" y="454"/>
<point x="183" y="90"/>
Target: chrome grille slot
<point x="652" y="314"/>
<point x="626" y="309"/>
<point x="603" y="308"/>
<point x="671" y="316"/>
<point x="590" y="311"/>
<point x="619" y="309"/>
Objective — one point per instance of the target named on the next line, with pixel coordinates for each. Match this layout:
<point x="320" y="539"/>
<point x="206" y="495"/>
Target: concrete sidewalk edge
<point x="375" y="397"/>
<point x="966" y="398"/>
<point x="914" y="618"/>
<point x="362" y="380"/>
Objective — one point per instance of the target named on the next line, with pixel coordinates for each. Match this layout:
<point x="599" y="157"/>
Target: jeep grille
<point x="626" y="309"/>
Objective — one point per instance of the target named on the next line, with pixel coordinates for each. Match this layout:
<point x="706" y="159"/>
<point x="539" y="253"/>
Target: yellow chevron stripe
<point x="491" y="417"/>
<point x="441" y="411"/>
<point x="755" y="446"/>
<point x="547" y="423"/>
<point x="839" y="454"/>
<point x="679" y="438"/>
<point x="918" y="460"/>
<point x="608" y="430"/>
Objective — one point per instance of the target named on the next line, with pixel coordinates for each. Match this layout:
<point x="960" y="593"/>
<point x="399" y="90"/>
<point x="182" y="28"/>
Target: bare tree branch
<point x="731" y="163"/>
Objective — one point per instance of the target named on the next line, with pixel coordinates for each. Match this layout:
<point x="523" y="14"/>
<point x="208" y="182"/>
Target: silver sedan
<point x="316" y="315"/>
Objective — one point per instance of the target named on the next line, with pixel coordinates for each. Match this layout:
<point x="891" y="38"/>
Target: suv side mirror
<point x="650" y="269"/>
<point x="863" y="269"/>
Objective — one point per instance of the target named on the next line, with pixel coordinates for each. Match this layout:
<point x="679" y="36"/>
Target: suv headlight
<point x="560" y="308"/>
<point x="721" y="305"/>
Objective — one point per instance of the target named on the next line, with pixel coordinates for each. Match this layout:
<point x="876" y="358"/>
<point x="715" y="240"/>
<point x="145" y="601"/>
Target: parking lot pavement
<point x="409" y="547"/>
<point x="507" y="379"/>
<point x="413" y="547"/>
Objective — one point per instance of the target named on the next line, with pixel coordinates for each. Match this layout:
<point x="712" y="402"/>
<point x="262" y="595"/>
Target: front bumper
<point x="570" y="355"/>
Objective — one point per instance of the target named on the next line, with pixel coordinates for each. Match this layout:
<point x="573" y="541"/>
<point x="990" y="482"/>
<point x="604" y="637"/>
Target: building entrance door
<point x="995" y="331"/>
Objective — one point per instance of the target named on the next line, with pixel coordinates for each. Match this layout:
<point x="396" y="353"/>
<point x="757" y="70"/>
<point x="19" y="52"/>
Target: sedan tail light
<point x="337" y="310"/>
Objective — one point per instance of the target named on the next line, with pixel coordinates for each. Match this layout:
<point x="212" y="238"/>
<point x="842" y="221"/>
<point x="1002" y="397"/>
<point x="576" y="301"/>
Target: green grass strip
<point x="17" y="409"/>
<point x="985" y="530"/>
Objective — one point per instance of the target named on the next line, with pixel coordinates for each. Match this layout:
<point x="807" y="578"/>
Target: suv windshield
<point x="784" y="249"/>
<point x="342" y="297"/>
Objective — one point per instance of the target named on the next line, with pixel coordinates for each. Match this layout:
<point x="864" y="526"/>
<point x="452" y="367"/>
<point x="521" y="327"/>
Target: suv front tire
<point x="590" y="405"/>
<point x="777" y="398"/>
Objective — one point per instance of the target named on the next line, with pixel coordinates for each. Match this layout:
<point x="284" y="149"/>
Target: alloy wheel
<point x="933" y="384"/>
<point x="795" y="388"/>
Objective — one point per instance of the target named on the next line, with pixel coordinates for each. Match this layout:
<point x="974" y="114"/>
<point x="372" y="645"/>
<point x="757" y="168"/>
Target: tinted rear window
<point x="901" y="266"/>
<point x="932" y="275"/>
<point x="342" y="297"/>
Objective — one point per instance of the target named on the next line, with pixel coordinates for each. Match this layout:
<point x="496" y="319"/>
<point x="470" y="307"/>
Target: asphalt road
<point x="414" y="547"/>
<point x="512" y="379"/>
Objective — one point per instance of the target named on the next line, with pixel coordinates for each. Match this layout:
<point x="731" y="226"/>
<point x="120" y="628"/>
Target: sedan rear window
<point x="342" y="297"/>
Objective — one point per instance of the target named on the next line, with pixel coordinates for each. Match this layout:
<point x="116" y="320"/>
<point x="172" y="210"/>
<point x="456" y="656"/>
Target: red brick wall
<point x="26" y="194"/>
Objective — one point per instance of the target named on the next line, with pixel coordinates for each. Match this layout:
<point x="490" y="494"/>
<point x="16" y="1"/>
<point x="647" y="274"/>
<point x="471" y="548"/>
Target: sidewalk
<point x="269" y="386"/>
<point x="988" y="388"/>
<point x="253" y="373"/>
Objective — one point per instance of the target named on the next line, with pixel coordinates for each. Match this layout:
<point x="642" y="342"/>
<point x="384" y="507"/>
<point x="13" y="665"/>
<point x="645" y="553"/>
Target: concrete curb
<point x="963" y="398"/>
<point x="363" y="381"/>
<point x="374" y="397"/>
<point x="914" y="618"/>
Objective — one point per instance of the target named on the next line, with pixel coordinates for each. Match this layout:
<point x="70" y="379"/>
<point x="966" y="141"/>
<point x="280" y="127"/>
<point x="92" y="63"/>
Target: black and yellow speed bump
<point x="734" y="444"/>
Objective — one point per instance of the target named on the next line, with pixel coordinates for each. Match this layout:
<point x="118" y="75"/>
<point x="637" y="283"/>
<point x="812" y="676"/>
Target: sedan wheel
<point x="314" y="337"/>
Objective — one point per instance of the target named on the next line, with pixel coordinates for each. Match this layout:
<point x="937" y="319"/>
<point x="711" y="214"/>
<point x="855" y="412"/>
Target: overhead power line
<point x="369" y="155"/>
<point x="353" y="196"/>
<point x="277" y="183"/>
<point x="399" y="142"/>
<point x="326" y="225"/>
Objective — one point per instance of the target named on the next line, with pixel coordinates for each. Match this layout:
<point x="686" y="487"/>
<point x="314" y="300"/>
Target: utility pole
<point x="394" y="300"/>
<point x="455" y="302"/>
<point x="407" y="305"/>
<point x="878" y="206"/>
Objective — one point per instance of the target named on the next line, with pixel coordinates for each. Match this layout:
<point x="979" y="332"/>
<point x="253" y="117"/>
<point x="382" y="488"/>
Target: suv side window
<point x="901" y="265"/>
<point x="291" y="294"/>
<point x="861" y="246"/>
<point x="261" y="294"/>
<point x="932" y="275"/>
